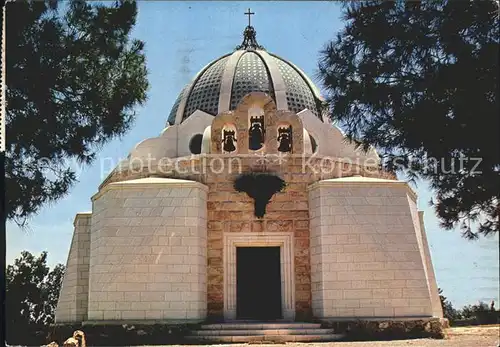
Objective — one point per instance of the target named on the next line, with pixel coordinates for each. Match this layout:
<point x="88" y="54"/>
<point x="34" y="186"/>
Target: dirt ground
<point x="474" y="336"/>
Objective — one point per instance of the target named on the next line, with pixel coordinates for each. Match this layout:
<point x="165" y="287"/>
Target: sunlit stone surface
<point x="160" y="242"/>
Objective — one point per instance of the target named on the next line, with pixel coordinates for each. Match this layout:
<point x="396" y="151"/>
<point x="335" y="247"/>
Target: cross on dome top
<point x="249" y="14"/>
<point x="249" y="35"/>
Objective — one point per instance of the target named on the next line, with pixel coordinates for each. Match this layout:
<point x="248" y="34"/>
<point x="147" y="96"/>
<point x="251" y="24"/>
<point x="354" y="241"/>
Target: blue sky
<point x="181" y="38"/>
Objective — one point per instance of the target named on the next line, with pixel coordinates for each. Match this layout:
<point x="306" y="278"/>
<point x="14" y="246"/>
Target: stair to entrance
<point x="242" y="332"/>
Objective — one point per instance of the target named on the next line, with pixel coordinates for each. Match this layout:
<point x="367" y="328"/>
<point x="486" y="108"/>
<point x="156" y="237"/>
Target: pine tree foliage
<point x="419" y="81"/>
<point x="32" y="291"/>
<point x="449" y="311"/>
<point x="74" y="78"/>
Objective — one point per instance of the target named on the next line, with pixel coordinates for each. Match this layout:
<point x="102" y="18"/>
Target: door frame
<point x="263" y="239"/>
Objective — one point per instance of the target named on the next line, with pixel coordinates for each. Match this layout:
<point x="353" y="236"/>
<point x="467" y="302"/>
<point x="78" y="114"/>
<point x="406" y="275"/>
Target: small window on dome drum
<point x="195" y="143"/>
<point x="314" y="145"/>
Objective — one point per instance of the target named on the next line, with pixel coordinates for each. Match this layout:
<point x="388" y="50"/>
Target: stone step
<point x="255" y="326"/>
<point x="265" y="338"/>
<point x="247" y="332"/>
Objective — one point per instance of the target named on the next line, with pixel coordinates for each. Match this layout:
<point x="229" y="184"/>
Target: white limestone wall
<point x="365" y="253"/>
<point x="329" y="139"/>
<point x="307" y="142"/>
<point x="196" y="123"/>
<point x="148" y="251"/>
<point x="156" y="148"/>
<point x="332" y="143"/>
<point x="173" y="142"/>
<point x="73" y="297"/>
<point x="206" y="142"/>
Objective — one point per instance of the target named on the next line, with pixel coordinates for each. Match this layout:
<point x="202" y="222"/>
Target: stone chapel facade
<point x="170" y="239"/>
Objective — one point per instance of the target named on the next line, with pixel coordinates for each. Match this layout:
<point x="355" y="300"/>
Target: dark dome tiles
<point x="250" y="76"/>
<point x="173" y="112"/>
<point x="298" y="93"/>
<point x="205" y="94"/>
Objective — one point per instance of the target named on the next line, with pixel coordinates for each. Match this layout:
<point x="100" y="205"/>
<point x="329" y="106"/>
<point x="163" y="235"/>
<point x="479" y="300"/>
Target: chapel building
<point x="250" y="204"/>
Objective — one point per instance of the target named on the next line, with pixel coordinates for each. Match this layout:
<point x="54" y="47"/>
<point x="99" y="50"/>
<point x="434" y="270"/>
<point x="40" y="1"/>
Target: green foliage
<point x="418" y="80"/>
<point x="469" y="311"/>
<point x="480" y="313"/>
<point x="260" y="186"/>
<point x="74" y="77"/>
<point x="449" y="311"/>
<point x="32" y="291"/>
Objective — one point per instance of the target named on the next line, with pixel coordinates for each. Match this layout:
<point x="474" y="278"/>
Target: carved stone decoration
<point x="285" y="138"/>
<point x="229" y="141"/>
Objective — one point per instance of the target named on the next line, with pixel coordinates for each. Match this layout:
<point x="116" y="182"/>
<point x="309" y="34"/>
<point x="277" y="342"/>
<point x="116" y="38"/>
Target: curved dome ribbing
<point x="250" y="76"/>
<point x="244" y="71"/>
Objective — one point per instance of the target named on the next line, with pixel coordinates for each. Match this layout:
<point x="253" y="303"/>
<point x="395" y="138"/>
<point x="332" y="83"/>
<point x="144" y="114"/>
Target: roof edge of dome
<point x="302" y="74"/>
<point x="314" y="89"/>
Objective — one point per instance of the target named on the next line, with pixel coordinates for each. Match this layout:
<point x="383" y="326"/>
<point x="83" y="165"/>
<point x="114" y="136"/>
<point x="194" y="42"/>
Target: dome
<point x="221" y="85"/>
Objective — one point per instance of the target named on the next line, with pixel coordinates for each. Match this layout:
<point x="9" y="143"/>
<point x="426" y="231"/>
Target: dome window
<point x="195" y="144"/>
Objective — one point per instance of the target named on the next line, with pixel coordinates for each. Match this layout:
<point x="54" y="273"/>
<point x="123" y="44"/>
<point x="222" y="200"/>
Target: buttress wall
<point x="437" y="308"/>
<point x="367" y="251"/>
<point x="149" y="251"/>
<point x="73" y="297"/>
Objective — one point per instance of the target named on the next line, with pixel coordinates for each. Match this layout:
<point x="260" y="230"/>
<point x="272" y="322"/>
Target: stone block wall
<point x="365" y="257"/>
<point x="230" y="211"/>
<point x="148" y="251"/>
<point x="73" y="297"/>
